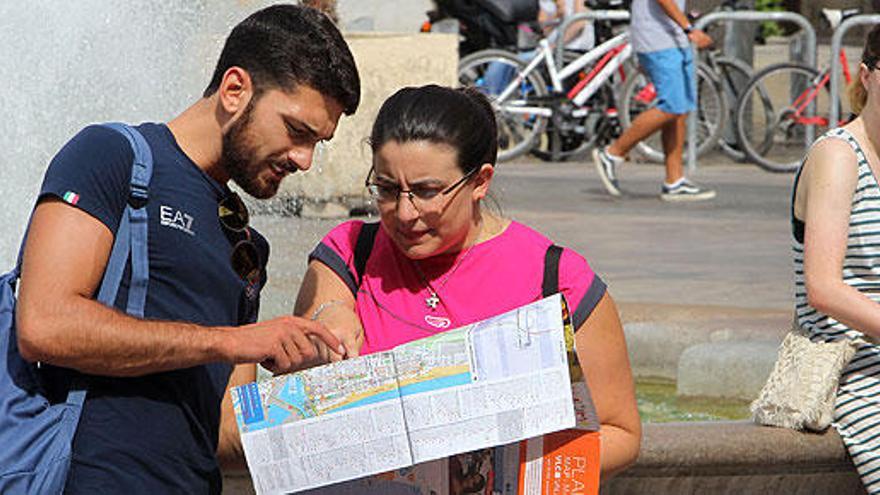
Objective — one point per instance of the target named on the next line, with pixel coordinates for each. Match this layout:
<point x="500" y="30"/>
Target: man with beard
<point x="151" y="422"/>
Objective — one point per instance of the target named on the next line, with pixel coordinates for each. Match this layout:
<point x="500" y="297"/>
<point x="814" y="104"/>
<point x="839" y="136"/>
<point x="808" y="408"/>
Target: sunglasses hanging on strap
<point x="234" y="218"/>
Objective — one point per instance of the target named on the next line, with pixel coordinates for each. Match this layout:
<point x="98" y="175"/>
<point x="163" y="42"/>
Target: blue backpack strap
<point x="116" y="265"/>
<point x="132" y="236"/>
<point x="131" y="239"/>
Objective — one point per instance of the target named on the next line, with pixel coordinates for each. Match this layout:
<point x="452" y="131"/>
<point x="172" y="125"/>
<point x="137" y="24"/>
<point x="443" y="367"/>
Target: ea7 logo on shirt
<point x="176" y="219"/>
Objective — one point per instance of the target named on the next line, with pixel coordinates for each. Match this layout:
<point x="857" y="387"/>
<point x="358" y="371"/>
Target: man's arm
<point x="697" y="36"/>
<point x="59" y="323"/>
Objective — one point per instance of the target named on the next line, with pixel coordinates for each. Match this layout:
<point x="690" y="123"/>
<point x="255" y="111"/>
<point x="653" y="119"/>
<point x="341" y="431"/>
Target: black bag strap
<point x="367" y="236"/>
<point x="363" y="248"/>
<point x="550" y="284"/>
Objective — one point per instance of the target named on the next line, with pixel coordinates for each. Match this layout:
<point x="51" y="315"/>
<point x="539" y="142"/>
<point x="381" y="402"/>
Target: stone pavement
<point x="732" y="251"/>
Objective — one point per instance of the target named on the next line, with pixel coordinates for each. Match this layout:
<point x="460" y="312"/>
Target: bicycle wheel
<point x="773" y="114"/>
<point x="491" y="71"/>
<point x="639" y="95"/>
<point x="733" y="74"/>
<point x="598" y="127"/>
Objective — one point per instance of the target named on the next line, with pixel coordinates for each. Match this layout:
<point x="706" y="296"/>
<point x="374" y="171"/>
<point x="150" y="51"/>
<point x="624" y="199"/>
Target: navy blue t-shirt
<point x="156" y="433"/>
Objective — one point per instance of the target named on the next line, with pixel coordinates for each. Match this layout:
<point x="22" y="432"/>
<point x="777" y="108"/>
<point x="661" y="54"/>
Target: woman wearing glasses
<point x="439" y="260"/>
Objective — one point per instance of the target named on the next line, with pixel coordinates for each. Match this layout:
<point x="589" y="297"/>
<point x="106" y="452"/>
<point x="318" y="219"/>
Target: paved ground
<point x="669" y="261"/>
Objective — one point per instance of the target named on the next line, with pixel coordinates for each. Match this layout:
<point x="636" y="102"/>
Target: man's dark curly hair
<point x="283" y="46"/>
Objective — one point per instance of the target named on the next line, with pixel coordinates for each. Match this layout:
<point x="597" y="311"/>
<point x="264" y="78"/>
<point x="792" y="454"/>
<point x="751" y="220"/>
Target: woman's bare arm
<point x="831" y="175"/>
<point x="324" y="296"/>
<point x="601" y="349"/>
<point x="230" y="452"/>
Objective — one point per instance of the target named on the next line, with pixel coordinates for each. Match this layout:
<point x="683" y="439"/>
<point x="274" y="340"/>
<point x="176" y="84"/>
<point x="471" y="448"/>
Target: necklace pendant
<point x="432" y="301"/>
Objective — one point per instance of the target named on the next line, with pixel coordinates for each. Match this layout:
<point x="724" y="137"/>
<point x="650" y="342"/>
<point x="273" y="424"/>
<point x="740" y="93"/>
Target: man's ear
<point x="483" y="179"/>
<point x="236" y="90"/>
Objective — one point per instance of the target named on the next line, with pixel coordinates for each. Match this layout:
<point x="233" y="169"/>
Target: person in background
<point x="579" y="36"/>
<point x="661" y="35"/>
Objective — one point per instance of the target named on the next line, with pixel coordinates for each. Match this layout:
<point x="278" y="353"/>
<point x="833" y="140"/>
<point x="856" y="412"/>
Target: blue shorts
<point x="672" y="72"/>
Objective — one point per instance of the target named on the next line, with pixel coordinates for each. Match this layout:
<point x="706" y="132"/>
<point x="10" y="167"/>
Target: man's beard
<point x="238" y="158"/>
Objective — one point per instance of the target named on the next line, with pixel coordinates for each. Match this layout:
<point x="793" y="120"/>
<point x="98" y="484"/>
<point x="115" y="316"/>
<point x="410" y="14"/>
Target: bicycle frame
<point x="612" y="54"/>
<point x="809" y="95"/>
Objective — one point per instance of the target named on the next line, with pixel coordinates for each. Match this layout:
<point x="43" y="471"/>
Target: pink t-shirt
<point x="491" y="278"/>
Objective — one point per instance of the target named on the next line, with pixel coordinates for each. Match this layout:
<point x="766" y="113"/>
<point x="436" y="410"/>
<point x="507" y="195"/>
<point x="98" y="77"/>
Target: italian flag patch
<point x="71" y="197"/>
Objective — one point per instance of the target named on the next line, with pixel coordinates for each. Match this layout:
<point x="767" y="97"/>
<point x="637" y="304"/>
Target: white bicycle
<point x="581" y="102"/>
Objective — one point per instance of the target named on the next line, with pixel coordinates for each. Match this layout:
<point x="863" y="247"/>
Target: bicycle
<point x="781" y="101"/>
<point x="587" y="110"/>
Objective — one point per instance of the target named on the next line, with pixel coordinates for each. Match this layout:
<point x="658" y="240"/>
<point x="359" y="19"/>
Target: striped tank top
<point x="861" y="266"/>
<point x="857" y="406"/>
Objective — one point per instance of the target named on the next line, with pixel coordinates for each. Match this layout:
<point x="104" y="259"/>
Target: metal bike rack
<point x="593" y="15"/>
<point x="836" y="44"/>
<point x="749" y="16"/>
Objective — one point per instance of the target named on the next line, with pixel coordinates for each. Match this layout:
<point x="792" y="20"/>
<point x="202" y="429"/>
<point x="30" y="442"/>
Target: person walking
<point x="661" y="34"/>
<point x="152" y="420"/>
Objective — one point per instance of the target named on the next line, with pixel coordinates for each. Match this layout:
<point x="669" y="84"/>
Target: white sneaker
<point x="606" y="165"/>
<point x="685" y="190"/>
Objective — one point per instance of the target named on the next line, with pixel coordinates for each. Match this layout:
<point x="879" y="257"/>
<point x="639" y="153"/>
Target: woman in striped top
<point x="836" y="227"/>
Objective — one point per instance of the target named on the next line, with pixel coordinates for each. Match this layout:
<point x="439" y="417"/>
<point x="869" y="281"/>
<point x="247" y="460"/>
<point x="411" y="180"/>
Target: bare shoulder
<point x="831" y="159"/>
<point x="834" y="148"/>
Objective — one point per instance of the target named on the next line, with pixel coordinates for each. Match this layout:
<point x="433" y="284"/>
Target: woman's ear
<point x="482" y="180"/>
<point x="864" y="74"/>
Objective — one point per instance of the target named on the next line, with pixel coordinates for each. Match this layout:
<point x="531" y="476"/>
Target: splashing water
<point x="68" y="64"/>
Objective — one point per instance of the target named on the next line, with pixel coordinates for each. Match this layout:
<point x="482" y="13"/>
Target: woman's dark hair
<point x="285" y="45"/>
<point x="460" y="118"/>
<point x="870" y="57"/>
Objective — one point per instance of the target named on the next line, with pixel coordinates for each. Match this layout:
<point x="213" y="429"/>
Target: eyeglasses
<point x="871" y="62"/>
<point x="423" y="198"/>
<point x="234" y="219"/>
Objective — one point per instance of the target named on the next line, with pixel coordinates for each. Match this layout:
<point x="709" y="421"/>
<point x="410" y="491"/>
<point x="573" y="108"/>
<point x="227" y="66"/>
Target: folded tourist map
<point x="491" y="383"/>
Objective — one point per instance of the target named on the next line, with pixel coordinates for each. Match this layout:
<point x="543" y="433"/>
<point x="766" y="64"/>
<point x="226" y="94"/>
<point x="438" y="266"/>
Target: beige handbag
<point x="802" y="387"/>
